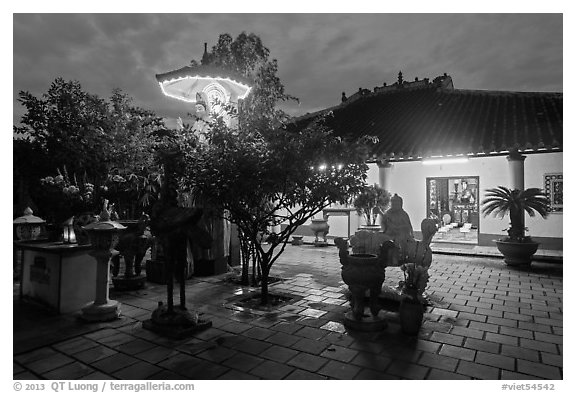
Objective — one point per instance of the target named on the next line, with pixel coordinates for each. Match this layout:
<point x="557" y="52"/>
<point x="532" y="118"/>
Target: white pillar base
<point x="101" y="312"/>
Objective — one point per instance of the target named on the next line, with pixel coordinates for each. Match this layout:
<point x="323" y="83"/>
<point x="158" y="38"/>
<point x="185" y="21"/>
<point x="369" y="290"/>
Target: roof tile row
<point x="424" y="122"/>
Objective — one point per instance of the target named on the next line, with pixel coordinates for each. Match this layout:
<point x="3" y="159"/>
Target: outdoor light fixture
<point x="28" y="226"/>
<point x="68" y="235"/>
<point x="445" y="160"/>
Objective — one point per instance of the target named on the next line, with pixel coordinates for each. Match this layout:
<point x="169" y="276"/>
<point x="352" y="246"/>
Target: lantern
<point x="28" y="226"/>
<point x="104" y="236"/>
<point x="68" y="235"/>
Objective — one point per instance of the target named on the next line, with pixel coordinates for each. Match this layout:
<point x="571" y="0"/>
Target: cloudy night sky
<point x="319" y="55"/>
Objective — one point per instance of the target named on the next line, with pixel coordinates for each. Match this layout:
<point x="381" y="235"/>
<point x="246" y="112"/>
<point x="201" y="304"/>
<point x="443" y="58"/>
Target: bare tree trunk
<point x="254" y="256"/>
<point x="259" y="272"/>
<point x="264" y="295"/>
<point x="181" y="266"/>
<point x="245" y="257"/>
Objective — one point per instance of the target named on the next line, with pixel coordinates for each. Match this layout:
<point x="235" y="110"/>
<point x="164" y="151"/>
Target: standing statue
<point x="415" y="256"/>
<point x="174" y="226"/>
<point x="396" y="225"/>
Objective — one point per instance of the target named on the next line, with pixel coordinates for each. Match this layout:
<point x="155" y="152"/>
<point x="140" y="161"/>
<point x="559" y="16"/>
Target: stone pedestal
<point x="102" y="308"/>
<point x="104" y="236"/>
<point x="60" y="276"/>
<point x="297" y="240"/>
<point x="129" y="283"/>
<point x="320" y="243"/>
<point x="177" y="324"/>
<point x="101" y="312"/>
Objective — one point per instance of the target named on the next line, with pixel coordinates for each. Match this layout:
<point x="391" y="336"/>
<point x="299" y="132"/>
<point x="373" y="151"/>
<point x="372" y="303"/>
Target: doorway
<point x="454" y="203"/>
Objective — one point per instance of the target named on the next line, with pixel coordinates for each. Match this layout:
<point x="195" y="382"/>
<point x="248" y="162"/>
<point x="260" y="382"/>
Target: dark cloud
<point x="320" y="55"/>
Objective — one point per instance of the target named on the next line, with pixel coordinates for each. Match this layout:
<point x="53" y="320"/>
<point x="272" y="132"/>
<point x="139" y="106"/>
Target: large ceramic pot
<point x="411" y="313"/>
<point x="363" y="272"/>
<point x="517" y="254"/>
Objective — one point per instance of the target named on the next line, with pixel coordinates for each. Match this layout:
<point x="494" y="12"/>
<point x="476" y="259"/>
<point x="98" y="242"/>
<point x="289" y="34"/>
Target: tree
<point x="104" y="143"/>
<point x="283" y="179"/>
<point x="247" y="56"/>
<point x="67" y="126"/>
<point x="264" y="173"/>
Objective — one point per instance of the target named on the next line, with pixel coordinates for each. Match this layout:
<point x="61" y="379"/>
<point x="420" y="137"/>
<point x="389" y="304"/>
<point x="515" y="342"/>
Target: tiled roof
<point x="431" y="121"/>
<point x="202" y="71"/>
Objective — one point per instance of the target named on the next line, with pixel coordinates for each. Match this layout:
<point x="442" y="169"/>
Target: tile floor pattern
<point x="486" y="321"/>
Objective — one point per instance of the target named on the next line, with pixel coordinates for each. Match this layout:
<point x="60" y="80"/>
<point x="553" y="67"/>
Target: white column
<point x="516" y="170"/>
<point x="384" y="174"/>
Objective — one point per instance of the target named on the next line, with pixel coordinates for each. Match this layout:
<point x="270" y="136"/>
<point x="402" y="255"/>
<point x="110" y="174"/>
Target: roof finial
<point x="400" y="79"/>
<point x="204" y="60"/>
<point x="344" y="98"/>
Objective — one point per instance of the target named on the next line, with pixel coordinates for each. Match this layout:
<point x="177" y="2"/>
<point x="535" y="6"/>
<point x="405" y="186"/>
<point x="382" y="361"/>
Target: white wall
<point x="339" y="225"/>
<point x="408" y="179"/>
<point x="535" y="166"/>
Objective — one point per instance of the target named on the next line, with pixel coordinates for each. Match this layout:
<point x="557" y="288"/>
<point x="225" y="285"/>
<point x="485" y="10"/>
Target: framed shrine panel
<point x="554" y="190"/>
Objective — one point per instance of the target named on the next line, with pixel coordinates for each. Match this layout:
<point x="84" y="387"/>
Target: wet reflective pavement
<point x="485" y="320"/>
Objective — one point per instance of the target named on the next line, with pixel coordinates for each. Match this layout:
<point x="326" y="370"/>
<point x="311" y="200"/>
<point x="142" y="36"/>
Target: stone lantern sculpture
<point x="104" y="235"/>
<point x="28" y="227"/>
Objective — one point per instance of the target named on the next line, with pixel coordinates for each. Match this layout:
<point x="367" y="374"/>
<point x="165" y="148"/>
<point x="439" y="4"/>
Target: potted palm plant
<point x="371" y="202"/>
<point x="517" y="248"/>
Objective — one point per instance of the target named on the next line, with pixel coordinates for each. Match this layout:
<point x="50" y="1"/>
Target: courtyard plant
<point x="72" y="149"/>
<point x="372" y="202"/>
<point x="517" y="247"/>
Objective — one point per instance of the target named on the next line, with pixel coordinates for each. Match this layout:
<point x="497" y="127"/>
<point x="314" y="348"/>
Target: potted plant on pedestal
<point x="411" y="311"/>
<point x="517" y="248"/>
<point x="373" y="201"/>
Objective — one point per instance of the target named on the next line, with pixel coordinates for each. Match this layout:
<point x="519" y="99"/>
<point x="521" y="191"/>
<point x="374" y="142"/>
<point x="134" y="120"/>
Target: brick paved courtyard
<point x="485" y="321"/>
